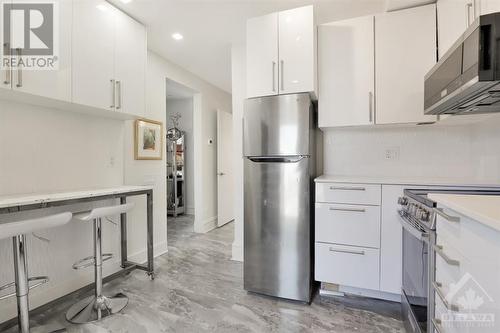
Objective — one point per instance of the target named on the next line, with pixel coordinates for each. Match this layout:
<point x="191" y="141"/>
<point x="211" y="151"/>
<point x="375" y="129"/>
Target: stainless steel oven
<point x="419" y="236"/>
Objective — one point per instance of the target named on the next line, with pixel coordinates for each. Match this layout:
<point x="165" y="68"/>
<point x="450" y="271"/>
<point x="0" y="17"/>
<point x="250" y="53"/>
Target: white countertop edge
<point x="402" y="181"/>
<point x="480" y="208"/>
<point x="34" y="198"/>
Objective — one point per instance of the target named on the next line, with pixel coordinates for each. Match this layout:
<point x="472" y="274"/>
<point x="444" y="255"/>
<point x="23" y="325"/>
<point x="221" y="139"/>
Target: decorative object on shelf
<point x="174" y="133"/>
<point x="148" y="140"/>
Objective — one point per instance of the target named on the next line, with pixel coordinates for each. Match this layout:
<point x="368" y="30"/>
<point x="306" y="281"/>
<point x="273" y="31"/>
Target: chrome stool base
<point x="94" y="308"/>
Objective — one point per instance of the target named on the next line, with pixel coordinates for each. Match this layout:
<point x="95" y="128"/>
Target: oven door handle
<point x="421" y="236"/>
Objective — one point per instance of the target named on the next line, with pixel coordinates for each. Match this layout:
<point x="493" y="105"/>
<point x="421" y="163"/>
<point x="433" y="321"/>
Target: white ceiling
<point x="210" y="27"/>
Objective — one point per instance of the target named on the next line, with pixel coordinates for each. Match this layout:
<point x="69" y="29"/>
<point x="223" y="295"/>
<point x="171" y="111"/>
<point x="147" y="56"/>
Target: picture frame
<point x="148" y="139"/>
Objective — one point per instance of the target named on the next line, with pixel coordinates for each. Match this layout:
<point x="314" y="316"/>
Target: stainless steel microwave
<point x="467" y="77"/>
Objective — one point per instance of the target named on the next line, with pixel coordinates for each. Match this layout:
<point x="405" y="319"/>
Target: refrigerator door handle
<point x="277" y="159"/>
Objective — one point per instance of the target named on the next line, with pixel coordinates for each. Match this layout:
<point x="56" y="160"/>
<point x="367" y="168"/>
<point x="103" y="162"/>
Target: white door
<point x="453" y="17"/>
<point x="405" y="50"/>
<point x="346" y="64"/>
<point x="296" y="50"/>
<point x="225" y="188"/>
<point x="130" y="64"/>
<point x="262" y="56"/>
<point x="52" y="83"/>
<point x="93" y="53"/>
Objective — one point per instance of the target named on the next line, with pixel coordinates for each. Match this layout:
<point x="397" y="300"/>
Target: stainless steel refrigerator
<point x="279" y="146"/>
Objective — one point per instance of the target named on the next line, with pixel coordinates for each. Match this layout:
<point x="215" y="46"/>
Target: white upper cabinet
<point x="56" y="83"/>
<point x="405" y="50"/>
<point x="262" y="56"/>
<point x="109" y="58"/>
<point x="346" y="63"/>
<point x="296" y="50"/>
<point x="453" y="18"/>
<point x="281" y="53"/>
<point x="130" y="64"/>
<point x="93" y="53"/>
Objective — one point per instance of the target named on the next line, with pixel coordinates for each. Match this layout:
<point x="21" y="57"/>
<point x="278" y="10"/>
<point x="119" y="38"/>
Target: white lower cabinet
<point x="347" y="265"/>
<point x="467" y="275"/>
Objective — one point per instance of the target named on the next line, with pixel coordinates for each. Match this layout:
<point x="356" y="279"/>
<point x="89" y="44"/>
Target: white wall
<point x="467" y="153"/>
<point x="238" y="70"/>
<point x="184" y="106"/>
<point x="205" y="105"/>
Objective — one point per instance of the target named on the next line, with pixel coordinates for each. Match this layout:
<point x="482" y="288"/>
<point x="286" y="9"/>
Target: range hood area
<point x="466" y="80"/>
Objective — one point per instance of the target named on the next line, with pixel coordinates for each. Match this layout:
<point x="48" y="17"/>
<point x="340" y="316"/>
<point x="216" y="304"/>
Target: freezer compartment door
<point x="277" y="248"/>
<point x="277" y="125"/>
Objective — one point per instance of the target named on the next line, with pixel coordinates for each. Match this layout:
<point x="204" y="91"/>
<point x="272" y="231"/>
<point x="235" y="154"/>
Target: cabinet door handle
<point x="119" y="92"/>
<point x="370" y="106"/>
<point x="113" y="94"/>
<point x="447" y="217"/>
<point x="439" y="250"/>
<point x="19" y="69"/>
<point x="282" y="70"/>
<point x="437" y="287"/>
<point x="7" y="71"/>
<point x="274" y="76"/>
<point x="347" y="188"/>
<point x="358" y="210"/>
<point x="362" y="253"/>
<point x="468" y="6"/>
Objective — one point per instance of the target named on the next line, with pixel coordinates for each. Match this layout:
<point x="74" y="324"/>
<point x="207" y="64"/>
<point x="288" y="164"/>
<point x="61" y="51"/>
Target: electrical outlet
<point x="392" y="153"/>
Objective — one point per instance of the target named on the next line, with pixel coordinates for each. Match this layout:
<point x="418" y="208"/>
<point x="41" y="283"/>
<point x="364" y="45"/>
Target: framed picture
<point x="148" y="140"/>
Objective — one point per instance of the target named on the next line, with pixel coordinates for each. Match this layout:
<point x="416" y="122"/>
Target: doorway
<point x="180" y="151"/>
<point x="225" y="175"/>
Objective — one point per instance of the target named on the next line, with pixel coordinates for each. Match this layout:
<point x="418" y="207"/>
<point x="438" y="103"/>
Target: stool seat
<point x="104" y="212"/>
<point x="18" y="230"/>
<point x="11" y="229"/>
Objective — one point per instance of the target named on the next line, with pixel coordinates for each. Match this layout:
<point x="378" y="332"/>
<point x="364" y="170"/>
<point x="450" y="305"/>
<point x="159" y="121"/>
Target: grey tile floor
<point x="199" y="289"/>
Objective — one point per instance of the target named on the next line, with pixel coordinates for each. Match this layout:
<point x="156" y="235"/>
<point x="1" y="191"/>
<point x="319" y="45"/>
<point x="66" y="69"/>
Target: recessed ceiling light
<point x="177" y="36"/>
<point x="126" y="1"/>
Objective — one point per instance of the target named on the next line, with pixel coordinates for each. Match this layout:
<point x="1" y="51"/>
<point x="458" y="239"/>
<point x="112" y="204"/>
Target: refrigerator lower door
<point x="277" y="248"/>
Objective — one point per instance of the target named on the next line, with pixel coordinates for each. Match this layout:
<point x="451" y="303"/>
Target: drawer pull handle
<point x="358" y="210"/>
<point x="437" y="325"/>
<point x="347" y="251"/>
<point x="447" y="217"/>
<point x="437" y="287"/>
<point x="347" y="188"/>
<point x="448" y="260"/>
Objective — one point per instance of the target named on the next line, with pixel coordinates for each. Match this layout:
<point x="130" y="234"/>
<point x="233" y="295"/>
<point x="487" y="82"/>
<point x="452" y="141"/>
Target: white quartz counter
<point x="401" y="181"/>
<point x="36" y="198"/>
<point x="481" y="208"/>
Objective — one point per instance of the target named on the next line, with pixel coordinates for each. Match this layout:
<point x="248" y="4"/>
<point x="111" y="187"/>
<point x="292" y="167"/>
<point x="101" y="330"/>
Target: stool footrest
<point x="38" y="279"/>
<point x="90" y="261"/>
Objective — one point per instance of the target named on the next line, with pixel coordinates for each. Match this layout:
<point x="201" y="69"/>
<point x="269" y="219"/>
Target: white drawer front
<point x="348" y="224"/>
<point x="475" y="241"/>
<point x="347" y="265"/>
<point x="357" y="194"/>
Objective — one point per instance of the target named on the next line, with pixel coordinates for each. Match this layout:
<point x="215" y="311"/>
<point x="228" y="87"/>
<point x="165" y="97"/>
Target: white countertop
<point x="482" y="208"/>
<point x="401" y="181"/>
<point x="35" y="198"/>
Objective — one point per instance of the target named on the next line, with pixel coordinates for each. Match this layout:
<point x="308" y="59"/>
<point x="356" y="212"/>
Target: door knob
<point x="220" y="173"/>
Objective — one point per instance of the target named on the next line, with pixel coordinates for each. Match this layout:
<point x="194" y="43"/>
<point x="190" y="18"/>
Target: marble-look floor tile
<point x="199" y="289"/>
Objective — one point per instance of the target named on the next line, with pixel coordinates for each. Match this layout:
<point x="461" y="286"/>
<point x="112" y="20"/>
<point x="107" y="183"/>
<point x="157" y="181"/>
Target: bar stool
<point x="18" y="231"/>
<point x="98" y="306"/>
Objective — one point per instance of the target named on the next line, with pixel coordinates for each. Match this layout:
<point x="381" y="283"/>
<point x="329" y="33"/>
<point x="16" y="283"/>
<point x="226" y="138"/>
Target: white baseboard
<point x="190" y="210"/>
<point x="237" y="252"/>
<point x="81" y="278"/>
<point x="206" y="225"/>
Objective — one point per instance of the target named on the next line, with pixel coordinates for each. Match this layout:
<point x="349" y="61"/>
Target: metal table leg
<point x="149" y="201"/>
<point x="123" y="234"/>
